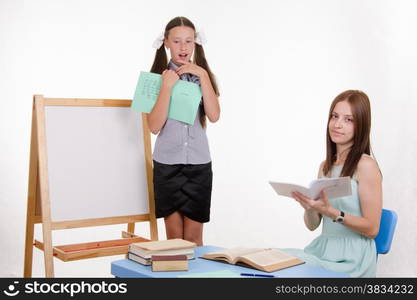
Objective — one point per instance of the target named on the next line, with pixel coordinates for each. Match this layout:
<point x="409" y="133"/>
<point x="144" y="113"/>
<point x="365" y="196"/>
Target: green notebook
<point x="184" y="102"/>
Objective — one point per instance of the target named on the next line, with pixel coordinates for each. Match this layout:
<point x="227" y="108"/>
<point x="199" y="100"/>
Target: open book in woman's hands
<point x="335" y="187"/>
<point x="268" y="260"/>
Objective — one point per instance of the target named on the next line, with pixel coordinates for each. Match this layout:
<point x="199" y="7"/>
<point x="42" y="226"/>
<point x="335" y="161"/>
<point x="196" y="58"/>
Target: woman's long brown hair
<point x="361" y="111"/>
<point x="160" y="62"/>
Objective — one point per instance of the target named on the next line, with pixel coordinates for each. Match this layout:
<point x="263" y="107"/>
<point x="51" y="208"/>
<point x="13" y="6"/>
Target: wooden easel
<point x="38" y="205"/>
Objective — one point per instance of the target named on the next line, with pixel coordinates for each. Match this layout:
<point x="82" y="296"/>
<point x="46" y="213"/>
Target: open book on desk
<point x="267" y="260"/>
<point x="335" y="187"/>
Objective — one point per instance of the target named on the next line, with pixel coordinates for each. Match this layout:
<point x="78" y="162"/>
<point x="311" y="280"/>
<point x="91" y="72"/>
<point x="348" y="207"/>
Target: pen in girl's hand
<point x="256" y="275"/>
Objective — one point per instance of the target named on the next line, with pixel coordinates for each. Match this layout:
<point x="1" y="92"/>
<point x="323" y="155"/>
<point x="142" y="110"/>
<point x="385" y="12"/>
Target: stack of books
<point x="142" y="252"/>
<point x="169" y="263"/>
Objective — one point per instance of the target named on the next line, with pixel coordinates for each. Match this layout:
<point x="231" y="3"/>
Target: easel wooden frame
<point x="38" y="205"/>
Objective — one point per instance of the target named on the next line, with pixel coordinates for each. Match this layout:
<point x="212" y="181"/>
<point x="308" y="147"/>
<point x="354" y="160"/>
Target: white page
<point x="285" y="189"/>
<point x="335" y="187"/>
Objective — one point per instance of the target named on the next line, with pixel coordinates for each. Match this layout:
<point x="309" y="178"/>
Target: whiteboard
<point x="96" y="162"/>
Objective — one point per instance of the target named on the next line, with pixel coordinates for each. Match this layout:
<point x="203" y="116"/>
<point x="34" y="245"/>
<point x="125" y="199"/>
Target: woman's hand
<point x="189" y="67"/>
<point x="169" y="78"/>
<point x="321" y="205"/>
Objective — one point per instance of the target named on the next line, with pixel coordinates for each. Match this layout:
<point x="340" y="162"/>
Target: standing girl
<point x="351" y="223"/>
<point x="182" y="164"/>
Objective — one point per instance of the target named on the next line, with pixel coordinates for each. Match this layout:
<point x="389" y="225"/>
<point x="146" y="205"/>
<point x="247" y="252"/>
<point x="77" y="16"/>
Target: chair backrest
<point x="386" y="231"/>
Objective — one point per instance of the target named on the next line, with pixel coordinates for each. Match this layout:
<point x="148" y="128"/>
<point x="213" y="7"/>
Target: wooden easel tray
<point x="92" y="249"/>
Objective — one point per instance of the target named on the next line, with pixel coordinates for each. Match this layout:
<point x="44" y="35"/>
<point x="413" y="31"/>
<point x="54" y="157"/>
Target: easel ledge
<point x="93" y="249"/>
<point x="38" y="205"/>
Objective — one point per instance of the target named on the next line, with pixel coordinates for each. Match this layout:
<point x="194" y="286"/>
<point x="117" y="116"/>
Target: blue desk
<point x="126" y="268"/>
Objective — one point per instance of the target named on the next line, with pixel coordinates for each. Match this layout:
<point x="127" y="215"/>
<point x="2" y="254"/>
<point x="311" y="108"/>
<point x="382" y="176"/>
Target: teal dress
<point x="339" y="248"/>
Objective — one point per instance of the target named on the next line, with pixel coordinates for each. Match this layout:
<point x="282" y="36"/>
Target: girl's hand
<point x="169" y="78"/>
<point x="321" y="205"/>
<point x="191" y="68"/>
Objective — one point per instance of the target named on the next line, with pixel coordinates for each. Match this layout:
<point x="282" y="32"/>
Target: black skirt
<point x="184" y="188"/>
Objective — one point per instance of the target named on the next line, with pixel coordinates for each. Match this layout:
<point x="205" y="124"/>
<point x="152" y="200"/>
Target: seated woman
<point x="351" y="223"/>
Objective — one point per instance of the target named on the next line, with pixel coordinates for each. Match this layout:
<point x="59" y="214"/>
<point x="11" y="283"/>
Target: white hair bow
<point x="200" y="38"/>
<point x="159" y="41"/>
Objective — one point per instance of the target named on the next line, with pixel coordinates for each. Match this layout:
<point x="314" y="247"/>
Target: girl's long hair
<point x="361" y="111"/>
<point x="160" y="62"/>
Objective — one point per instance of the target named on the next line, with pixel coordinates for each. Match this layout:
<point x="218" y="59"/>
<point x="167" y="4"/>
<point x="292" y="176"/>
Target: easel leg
<point x="153" y="228"/>
<point x="47" y="250"/>
<point x="30" y="226"/>
<point x="131" y="227"/>
<point x="32" y="193"/>
<point x="39" y="112"/>
<point x="149" y="175"/>
<point x="30" y="222"/>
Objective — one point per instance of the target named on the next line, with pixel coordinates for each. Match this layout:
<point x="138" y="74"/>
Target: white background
<point x="279" y="65"/>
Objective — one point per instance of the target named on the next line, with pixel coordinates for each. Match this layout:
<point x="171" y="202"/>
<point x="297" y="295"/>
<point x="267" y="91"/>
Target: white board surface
<point x="96" y="162"/>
